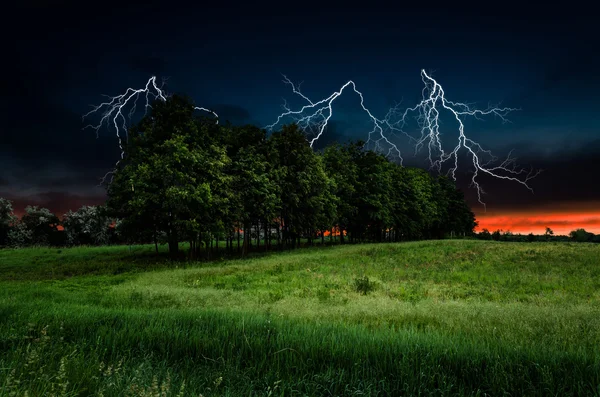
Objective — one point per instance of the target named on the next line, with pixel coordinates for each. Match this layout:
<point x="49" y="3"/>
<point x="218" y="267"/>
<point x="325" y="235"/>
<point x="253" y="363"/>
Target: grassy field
<point x="438" y="318"/>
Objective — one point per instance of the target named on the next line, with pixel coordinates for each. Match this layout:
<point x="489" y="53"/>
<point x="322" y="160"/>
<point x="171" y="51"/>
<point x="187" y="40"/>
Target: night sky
<point x="63" y="56"/>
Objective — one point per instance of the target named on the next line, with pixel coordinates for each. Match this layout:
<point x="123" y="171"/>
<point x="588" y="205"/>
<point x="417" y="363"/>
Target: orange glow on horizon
<point x="561" y="220"/>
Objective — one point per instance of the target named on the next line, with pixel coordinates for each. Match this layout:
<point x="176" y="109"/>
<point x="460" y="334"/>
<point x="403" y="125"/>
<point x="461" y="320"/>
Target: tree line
<point x="578" y="235"/>
<point x="187" y="179"/>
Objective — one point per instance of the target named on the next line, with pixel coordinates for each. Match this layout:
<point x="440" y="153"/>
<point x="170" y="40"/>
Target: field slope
<point x="422" y="318"/>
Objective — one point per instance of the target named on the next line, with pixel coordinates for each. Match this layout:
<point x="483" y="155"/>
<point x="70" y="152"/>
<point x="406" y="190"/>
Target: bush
<point x="363" y="285"/>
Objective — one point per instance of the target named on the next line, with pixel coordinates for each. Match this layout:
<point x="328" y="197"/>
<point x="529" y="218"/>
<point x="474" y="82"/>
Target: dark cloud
<point x="25" y="179"/>
<point x="54" y="134"/>
<point x="569" y="73"/>
<point x="152" y="65"/>
<point x="568" y="175"/>
<point x="38" y="131"/>
<point x="232" y="113"/>
<point x="58" y="202"/>
<point x="335" y="132"/>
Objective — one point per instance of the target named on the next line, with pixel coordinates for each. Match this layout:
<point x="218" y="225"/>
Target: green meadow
<point x="451" y="317"/>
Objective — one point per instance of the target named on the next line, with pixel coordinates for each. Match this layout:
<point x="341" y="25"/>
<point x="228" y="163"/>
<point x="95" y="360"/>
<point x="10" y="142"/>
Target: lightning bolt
<point x="113" y="112"/>
<point x="314" y="116"/>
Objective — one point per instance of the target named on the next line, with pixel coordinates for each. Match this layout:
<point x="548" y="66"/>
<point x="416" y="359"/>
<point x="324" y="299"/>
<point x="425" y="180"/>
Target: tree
<point x="372" y="196"/>
<point x="7" y="220"/>
<point x="185" y="178"/>
<point x="302" y="183"/>
<point x="581" y="235"/>
<point x="485" y="234"/>
<point x="507" y="236"/>
<point x="89" y="225"/>
<point x="497" y="235"/>
<point x="256" y="200"/>
<point x="343" y="174"/>
<point x="171" y="178"/>
<point x="422" y="210"/>
<point x="549" y="233"/>
<point x="38" y="226"/>
<point x="454" y="215"/>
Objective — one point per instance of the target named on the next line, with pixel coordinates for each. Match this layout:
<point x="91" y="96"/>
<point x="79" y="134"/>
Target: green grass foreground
<point x="422" y="318"/>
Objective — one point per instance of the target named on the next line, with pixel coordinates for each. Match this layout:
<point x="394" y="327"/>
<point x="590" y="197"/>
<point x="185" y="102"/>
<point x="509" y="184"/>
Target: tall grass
<point x="434" y="318"/>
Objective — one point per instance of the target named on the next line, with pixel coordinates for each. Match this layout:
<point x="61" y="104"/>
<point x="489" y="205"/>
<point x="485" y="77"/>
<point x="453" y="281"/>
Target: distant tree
<point x="507" y="236"/>
<point x="88" y="225"/>
<point x="484" y="235"/>
<point x="581" y="236"/>
<point x="7" y="220"/>
<point x="19" y="236"/>
<point x="531" y="237"/>
<point x="497" y="235"/>
<point x="38" y="226"/>
<point x="548" y="234"/>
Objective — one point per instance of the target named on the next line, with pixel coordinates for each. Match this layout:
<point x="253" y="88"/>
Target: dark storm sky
<point x="63" y="56"/>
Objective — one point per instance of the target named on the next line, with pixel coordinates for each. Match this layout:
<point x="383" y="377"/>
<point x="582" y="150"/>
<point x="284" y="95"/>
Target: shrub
<point x="363" y="285"/>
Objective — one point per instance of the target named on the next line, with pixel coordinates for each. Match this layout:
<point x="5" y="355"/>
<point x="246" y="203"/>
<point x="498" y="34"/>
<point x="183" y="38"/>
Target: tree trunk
<point x="173" y="247"/>
<point x="279" y="235"/>
<point x="246" y="246"/>
<point x="257" y="235"/>
<point x="267" y="235"/>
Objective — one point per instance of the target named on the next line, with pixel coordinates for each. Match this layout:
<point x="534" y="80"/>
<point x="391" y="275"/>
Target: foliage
<point x="38" y="226"/>
<point x="7" y="220"/>
<point x="484" y="234"/>
<point x="87" y="226"/>
<point x="19" y="235"/>
<point x="302" y="184"/>
<point x="172" y="179"/>
<point x="581" y="236"/>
